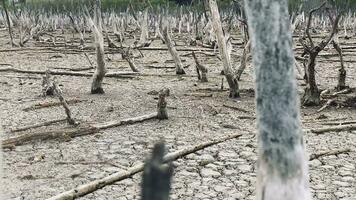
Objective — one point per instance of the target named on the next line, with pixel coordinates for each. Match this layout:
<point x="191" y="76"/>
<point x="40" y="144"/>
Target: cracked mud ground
<point x="41" y="169"/>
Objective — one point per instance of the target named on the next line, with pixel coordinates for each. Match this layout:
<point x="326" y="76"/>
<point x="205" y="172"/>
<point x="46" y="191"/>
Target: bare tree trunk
<point x="341" y="84"/>
<point x="173" y="51"/>
<point x="162" y="104"/>
<point x="100" y="71"/>
<point x="8" y="23"/>
<point x="243" y="60"/>
<point x="1" y="161"/>
<point x="283" y="172"/>
<point x="200" y="68"/>
<point x="311" y="95"/>
<point x="230" y="76"/>
<point x="144" y="28"/>
<point x="156" y="178"/>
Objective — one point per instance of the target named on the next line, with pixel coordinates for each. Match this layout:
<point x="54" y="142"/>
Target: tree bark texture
<point x="230" y="77"/>
<point x="173" y="51"/>
<point x="100" y="71"/>
<point x="282" y="163"/>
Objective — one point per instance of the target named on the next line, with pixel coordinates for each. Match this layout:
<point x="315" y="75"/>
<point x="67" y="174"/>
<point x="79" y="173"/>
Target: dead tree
<point x="47" y="85"/>
<point x="230" y="76"/>
<point x="144" y="30"/>
<point x="201" y="69"/>
<point x="156" y="180"/>
<point x="8" y="23"/>
<point x="100" y="71"/>
<point x="341" y="84"/>
<point x="64" y="103"/>
<point x="282" y="163"/>
<point x="1" y="161"/>
<point x="311" y="95"/>
<point x="172" y="50"/>
<point x="77" y="29"/>
<point x="126" y="54"/>
<point x="243" y="61"/>
<point x="162" y="104"/>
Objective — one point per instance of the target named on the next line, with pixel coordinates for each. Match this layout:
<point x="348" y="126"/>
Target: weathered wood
<point x="64" y="103"/>
<point x="68" y="73"/>
<point x="156" y="178"/>
<point x="90" y="187"/>
<point x="162" y="104"/>
<point x="311" y="95"/>
<point x="8" y="24"/>
<point x="243" y="60"/>
<point x="328" y="153"/>
<point x="230" y="76"/>
<point x="72" y="132"/>
<point x="200" y="68"/>
<point x="100" y="71"/>
<point x="24" y="128"/>
<point x="50" y="104"/>
<point x="172" y="50"/>
<point x="282" y="162"/>
<point x="348" y="127"/>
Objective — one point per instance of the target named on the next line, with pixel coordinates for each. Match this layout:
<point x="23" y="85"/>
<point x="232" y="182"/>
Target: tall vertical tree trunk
<point x="230" y="76"/>
<point x="282" y="164"/>
<point x="311" y="95"/>
<point x="341" y="81"/>
<point x="243" y="61"/>
<point x="172" y="50"/>
<point x="144" y="27"/>
<point x="100" y="71"/>
<point x="8" y="23"/>
<point x="1" y="162"/>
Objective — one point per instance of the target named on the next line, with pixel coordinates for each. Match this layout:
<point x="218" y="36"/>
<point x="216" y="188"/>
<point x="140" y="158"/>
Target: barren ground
<point x="41" y="169"/>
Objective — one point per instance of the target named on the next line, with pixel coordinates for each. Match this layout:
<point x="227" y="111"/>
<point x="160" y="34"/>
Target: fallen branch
<point x="24" y="128"/>
<point x="72" y="132"/>
<point x="235" y="108"/>
<point x="64" y="103"/>
<point x="90" y="187"/>
<point x="68" y="73"/>
<point x="349" y="127"/>
<point x="82" y="74"/>
<point x="339" y="123"/>
<point x="50" y="104"/>
<point x="328" y="153"/>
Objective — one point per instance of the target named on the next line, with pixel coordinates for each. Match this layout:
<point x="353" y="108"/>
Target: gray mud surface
<point x="41" y="169"/>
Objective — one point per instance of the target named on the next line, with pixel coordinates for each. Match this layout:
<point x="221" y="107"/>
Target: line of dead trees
<point x="207" y="29"/>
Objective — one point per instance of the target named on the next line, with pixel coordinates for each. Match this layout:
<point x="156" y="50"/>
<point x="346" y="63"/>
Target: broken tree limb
<point x="114" y="123"/>
<point x="72" y="132"/>
<point x="329" y="153"/>
<point x="50" y="104"/>
<point x="67" y="73"/>
<point x="62" y="133"/>
<point x="24" y="128"/>
<point x="200" y="68"/>
<point x="90" y="187"/>
<point x="64" y="103"/>
<point x="162" y="104"/>
<point x="349" y="127"/>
